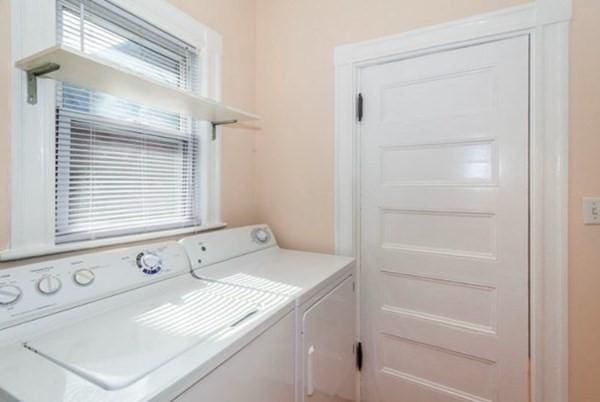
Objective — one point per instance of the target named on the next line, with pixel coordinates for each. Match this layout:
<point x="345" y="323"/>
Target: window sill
<point x="17" y="254"/>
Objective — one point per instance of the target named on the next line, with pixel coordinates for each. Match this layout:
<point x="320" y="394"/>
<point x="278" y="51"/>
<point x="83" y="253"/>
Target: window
<point x="111" y="170"/>
<point x="100" y="28"/>
<point x="122" y="168"/>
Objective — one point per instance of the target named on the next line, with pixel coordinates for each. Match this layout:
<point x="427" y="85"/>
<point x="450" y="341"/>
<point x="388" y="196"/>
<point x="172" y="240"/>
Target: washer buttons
<point x="84" y="277"/>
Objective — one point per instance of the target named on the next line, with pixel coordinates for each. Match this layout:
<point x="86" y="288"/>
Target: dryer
<point x="323" y="287"/>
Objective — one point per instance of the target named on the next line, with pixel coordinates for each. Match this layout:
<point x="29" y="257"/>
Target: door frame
<point x="547" y="24"/>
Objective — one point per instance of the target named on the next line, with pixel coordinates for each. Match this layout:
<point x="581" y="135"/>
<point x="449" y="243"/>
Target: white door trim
<point x="547" y="23"/>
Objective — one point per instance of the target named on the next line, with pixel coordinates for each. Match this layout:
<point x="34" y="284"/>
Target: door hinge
<point x="359" y="107"/>
<point x="359" y="356"/>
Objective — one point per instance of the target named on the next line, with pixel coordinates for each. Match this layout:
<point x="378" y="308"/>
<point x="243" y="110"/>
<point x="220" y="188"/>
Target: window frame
<point x="32" y="214"/>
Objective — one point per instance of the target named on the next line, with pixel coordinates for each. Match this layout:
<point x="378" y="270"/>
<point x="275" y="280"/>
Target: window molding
<point x="33" y="28"/>
<point x="547" y="23"/>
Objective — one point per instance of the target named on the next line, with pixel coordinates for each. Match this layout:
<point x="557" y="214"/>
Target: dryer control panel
<point x="212" y="247"/>
<point x="35" y="290"/>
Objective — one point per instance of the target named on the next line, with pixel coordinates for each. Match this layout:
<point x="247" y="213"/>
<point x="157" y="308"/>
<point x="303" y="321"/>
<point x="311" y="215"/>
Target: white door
<point x="328" y="339"/>
<point x="444" y="225"/>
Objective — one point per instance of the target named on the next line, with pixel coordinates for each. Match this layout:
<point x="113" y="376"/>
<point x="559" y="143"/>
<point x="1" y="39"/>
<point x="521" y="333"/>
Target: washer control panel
<point x="34" y="290"/>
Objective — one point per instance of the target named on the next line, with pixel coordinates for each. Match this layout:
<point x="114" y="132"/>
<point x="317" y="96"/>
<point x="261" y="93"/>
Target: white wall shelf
<point x="70" y="65"/>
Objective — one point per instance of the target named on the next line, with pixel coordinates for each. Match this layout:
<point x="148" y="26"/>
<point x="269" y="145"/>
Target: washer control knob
<point x="84" y="277"/>
<point x="261" y="235"/>
<point x="9" y="294"/>
<point x="149" y="263"/>
<point x="49" y="284"/>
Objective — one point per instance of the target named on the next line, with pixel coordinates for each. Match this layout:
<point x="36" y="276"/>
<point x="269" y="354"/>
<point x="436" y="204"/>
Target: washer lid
<point x="285" y="272"/>
<point x="116" y="348"/>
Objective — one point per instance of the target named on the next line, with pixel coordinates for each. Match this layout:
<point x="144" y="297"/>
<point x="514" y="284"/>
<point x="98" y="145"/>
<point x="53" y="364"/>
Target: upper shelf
<point x="94" y="73"/>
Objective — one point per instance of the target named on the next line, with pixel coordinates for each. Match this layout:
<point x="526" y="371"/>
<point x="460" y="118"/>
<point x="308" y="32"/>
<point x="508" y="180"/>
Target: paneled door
<point x="444" y="225"/>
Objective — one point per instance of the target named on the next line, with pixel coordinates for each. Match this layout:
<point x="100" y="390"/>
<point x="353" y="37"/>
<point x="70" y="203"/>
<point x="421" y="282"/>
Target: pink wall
<point x="584" y="241"/>
<point x="278" y="61"/>
<point x="295" y="84"/>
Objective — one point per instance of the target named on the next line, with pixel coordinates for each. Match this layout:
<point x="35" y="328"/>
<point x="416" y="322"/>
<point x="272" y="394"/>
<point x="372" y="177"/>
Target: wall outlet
<point x="591" y="211"/>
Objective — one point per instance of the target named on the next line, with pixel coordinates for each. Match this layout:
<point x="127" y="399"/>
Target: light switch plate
<point x="591" y="211"/>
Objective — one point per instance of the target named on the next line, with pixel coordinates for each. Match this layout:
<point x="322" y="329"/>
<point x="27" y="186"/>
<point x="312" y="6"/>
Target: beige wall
<point x="584" y="241"/>
<point x="295" y="84"/>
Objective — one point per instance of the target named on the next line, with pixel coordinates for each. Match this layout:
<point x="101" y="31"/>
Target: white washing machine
<point x="324" y="292"/>
<point x="254" y="323"/>
<point x="134" y="325"/>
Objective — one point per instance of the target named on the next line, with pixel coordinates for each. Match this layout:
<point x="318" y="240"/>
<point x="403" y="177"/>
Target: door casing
<point x="547" y="23"/>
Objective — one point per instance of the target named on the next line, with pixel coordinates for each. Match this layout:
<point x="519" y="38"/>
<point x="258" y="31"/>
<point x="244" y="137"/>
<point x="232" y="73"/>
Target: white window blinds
<point x="102" y="29"/>
<point x="121" y="167"/>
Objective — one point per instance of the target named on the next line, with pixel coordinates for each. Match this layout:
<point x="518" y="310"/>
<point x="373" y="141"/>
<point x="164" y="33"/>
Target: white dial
<point x="150" y="260"/>
<point x="260" y="235"/>
<point x="149" y="263"/>
<point x="9" y="294"/>
<point x="49" y="284"/>
<point x="84" y="277"/>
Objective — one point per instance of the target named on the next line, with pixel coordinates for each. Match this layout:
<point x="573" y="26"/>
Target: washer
<point x="134" y="325"/>
<point x="322" y="286"/>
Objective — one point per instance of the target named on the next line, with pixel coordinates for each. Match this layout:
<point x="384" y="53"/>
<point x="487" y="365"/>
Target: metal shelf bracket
<point x="219" y="123"/>
<point x="32" y="76"/>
